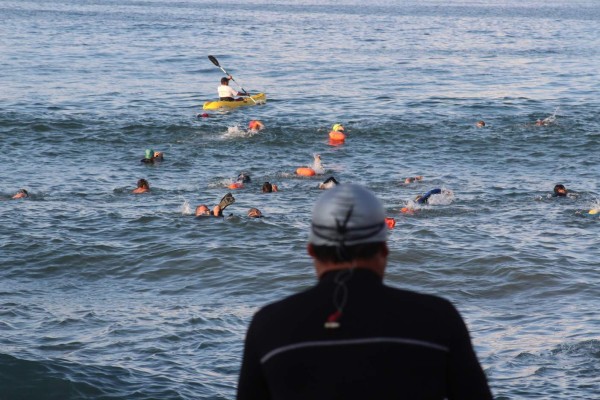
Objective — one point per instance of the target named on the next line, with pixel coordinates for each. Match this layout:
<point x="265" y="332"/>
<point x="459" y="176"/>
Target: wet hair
<point x="339" y="254"/>
<point x="255" y="211"/>
<point x="24" y="192"/>
<point x="559" y="187"/>
<point x="244" y="178"/>
<point x="224" y="80"/>
<point x="267" y="187"/>
<point x="142" y="183"/>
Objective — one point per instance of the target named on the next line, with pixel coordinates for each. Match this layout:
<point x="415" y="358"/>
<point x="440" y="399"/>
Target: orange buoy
<point x="305" y="171"/>
<point x="391" y="222"/>
<point x="236" y="185"/>
<point x="337" y="136"/>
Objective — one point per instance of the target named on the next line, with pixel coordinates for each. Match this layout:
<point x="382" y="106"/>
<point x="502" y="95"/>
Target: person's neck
<point x="377" y="266"/>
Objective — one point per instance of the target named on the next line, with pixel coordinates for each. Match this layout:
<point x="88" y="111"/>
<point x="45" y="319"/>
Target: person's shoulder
<point x="282" y="307"/>
<point x="430" y="302"/>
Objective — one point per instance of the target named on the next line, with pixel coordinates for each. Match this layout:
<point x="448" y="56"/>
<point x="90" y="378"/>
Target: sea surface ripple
<point x="107" y="295"/>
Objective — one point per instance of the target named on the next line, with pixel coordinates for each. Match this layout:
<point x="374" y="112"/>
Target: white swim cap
<point x="347" y="215"/>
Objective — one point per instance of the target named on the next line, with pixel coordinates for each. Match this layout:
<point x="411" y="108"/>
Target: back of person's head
<point x="254" y="213"/>
<point x="202" y="210"/>
<point x="142" y="183"/>
<point x="224" y="81"/>
<point x="149" y="154"/>
<point x="348" y="223"/>
<point x="244" y="178"/>
<point x="267" y="187"/>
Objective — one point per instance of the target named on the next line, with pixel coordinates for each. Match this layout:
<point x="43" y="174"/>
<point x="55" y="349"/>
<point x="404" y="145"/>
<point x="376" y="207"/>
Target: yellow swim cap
<point x="594" y="211"/>
<point x="337" y="127"/>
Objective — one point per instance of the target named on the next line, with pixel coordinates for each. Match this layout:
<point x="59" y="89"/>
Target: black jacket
<point x="391" y="344"/>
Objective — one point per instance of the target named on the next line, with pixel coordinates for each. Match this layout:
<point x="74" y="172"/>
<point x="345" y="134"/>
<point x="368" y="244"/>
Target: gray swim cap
<point x="347" y="215"/>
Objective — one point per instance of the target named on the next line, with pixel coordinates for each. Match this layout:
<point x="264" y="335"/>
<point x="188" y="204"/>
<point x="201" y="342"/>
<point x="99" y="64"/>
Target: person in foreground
<point x="351" y="336"/>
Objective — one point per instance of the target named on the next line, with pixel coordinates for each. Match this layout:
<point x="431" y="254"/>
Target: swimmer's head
<point x="328" y="183"/>
<point x="347" y="215"/>
<point x="142" y="183"/>
<point x="480" y="124"/>
<point x="149" y="154"/>
<point x="254" y="213"/>
<point x="594" y="211"/>
<point x="409" y="180"/>
<point x="202" y="210"/>
<point x="256" y="125"/>
<point x="337" y="127"/>
<point x="267" y="187"/>
<point x="21" y="194"/>
<point x="243" y="177"/>
<point x="158" y="154"/>
<point x="560" y="190"/>
<point x="390" y="222"/>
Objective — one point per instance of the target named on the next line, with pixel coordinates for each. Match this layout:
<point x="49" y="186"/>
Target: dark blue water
<point x="109" y="295"/>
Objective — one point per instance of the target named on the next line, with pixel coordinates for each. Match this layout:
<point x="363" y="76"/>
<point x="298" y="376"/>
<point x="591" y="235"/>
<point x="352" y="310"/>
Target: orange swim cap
<point x="255" y="125"/>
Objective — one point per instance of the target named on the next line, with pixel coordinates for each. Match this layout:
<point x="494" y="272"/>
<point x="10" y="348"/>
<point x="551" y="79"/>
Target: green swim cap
<point x="149" y="154"/>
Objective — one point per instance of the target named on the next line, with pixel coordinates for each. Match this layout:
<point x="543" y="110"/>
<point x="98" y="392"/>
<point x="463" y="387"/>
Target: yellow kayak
<point x="253" y="100"/>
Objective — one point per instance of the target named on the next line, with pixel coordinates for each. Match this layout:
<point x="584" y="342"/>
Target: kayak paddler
<point x="227" y="93"/>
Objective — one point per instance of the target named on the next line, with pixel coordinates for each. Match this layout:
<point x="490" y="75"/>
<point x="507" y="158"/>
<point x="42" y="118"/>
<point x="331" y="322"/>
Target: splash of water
<point x="237" y="132"/>
<point x="185" y="208"/>
<point x="317" y="166"/>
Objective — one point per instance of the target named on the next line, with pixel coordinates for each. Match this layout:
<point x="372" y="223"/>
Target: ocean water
<point x="109" y="295"/>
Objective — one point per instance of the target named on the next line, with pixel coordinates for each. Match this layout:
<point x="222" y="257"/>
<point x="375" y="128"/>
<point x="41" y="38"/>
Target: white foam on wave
<point x="185" y="208"/>
<point x="317" y="166"/>
<point x="237" y="132"/>
<point x="442" y="199"/>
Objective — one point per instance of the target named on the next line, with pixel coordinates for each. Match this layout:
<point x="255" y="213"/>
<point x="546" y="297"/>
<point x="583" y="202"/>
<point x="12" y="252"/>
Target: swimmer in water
<point x="256" y="125"/>
<point x="424" y="198"/>
<point x="158" y="156"/>
<point x="560" y="191"/>
<point x="202" y="211"/>
<point x="480" y="124"/>
<point x="328" y="183"/>
<point x="413" y="179"/>
<point x="239" y="183"/>
<point x="21" y="194"/>
<point x="254" y="213"/>
<point x="268" y="187"/>
<point x="148" y="157"/>
<point x="217" y="211"/>
<point x="548" y="120"/>
<point x="142" y="187"/>
<point x="244" y="178"/>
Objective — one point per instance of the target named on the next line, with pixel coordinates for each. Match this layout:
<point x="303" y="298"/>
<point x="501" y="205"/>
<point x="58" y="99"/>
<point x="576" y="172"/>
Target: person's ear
<point x="385" y="251"/>
<point x="310" y="250"/>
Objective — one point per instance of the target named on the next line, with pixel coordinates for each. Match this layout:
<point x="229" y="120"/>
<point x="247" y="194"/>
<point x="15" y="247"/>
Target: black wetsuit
<point x="391" y="344"/>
